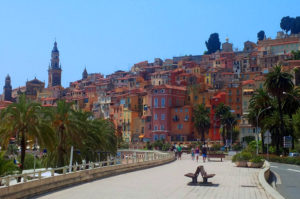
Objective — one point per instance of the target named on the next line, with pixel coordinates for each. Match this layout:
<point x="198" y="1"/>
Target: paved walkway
<point x="168" y="181"/>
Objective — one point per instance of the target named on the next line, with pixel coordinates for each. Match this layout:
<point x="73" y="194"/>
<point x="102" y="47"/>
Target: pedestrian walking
<point x="204" y="153"/>
<point x="197" y="152"/>
<point x="175" y="150"/>
<point x="193" y="153"/>
<point x="179" y="151"/>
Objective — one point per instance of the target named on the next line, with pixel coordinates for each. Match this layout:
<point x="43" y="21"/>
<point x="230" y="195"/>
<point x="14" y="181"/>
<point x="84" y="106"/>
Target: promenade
<point x="168" y="181"/>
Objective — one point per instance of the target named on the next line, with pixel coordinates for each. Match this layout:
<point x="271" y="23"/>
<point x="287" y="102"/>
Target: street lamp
<point x="257" y="127"/>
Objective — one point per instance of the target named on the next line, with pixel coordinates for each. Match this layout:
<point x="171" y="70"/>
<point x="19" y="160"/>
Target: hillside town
<point x="155" y="100"/>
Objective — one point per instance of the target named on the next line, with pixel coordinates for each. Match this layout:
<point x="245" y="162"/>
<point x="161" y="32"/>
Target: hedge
<point x="284" y="159"/>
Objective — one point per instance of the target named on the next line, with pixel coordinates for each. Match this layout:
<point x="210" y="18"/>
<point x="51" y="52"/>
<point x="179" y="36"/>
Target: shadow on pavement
<point x="209" y="184"/>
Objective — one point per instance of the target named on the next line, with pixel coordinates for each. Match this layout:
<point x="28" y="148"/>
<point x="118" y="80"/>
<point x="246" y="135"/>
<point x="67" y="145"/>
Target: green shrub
<point x="215" y="147"/>
<point x="242" y="156"/>
<point x="29" y="161"/>
<point x="7" y="166"/>
<point x="248" y="139"/>
<point x="166" y="146"/>
<point x="272" y="149"/>
<point x="124" y="145"/>
<point x="285" y="160"/>
<point x="237" y="147"/>
<point x="256" y="159"/>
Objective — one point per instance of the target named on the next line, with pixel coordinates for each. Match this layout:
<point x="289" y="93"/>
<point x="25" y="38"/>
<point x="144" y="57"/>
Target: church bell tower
<point x="7" y="89"/>
<point x="54" y="71"/>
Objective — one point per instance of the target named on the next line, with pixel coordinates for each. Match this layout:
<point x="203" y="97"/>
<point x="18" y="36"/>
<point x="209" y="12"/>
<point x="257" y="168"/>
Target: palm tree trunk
<point x="277" y="135"/>
<point x="61" y="149"/>
<point x="23" y="150"/>
<point x="203" y="136"/>
<point x="224" y="136"/>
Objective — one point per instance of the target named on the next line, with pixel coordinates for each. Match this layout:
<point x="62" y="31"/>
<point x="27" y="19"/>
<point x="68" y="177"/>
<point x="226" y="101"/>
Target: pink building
<point x="163" y="99"/>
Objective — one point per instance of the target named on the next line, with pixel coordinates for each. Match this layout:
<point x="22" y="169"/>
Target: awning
<point x="248" y="90"/>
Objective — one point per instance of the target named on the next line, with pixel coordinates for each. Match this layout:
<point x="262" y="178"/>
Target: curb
<point x="262" y="180"/>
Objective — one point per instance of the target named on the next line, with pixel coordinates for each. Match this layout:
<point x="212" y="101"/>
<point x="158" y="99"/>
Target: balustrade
<point x="126" y="157"/>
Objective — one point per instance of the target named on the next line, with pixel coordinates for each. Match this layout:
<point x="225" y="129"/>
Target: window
<point x="181" y="110"/>
<point x="163" y="116"/>
<point x="170" y="102"/>
<point x="155" y="137"/>
<point x="155" y="116"/>
<point x="162" y="90"/>
<point x="155" y="102"/>
<point x="162" y="137"/>
<point x="175" y="110"/>
<point x="122" y="101"/>
<point x="186" y="118"/>
<point x="155" y="128"/>
<point x="162" y="127"/>
<point x="179" y="126"/>
<point x="163" y="102"/>
<point x="195" y="97"/>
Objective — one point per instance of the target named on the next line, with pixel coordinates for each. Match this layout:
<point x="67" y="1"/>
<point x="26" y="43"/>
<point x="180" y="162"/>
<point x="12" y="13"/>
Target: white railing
<point x="125" y="157"/>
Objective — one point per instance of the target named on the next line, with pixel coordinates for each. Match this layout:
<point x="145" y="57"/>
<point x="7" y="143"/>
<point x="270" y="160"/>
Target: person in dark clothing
<point x="204" y="153"/>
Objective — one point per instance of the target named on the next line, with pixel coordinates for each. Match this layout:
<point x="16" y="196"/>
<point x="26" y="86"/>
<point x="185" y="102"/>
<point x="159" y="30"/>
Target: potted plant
<point x="256" y="162"/>
<point x="241" y="159"/>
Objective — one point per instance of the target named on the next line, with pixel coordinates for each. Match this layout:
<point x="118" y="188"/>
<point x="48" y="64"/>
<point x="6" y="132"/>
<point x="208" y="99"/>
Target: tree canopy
<point x="290" y="24"/>
<point x="213" y="44"/>
<point x="261" y="35"/>
<point x="201" y="120"/>
<point x="286" y="23"/>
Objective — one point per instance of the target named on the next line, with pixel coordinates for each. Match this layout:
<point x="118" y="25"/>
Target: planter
<point x="255" y="165"/>
<point x="241" y="163"/>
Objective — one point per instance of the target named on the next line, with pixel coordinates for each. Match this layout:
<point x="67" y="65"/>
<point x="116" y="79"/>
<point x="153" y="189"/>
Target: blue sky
<point x="106" y="36"/>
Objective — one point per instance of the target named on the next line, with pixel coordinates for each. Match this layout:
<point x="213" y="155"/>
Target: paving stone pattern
<point x="168" y="181"/>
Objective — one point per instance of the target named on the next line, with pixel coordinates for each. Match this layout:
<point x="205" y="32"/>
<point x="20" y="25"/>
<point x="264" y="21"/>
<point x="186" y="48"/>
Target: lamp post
<point x="257" y="126"/>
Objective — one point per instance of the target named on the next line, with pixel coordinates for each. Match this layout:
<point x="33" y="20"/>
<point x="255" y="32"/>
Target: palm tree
<point x="296" y="123"/>
<point x="97" y="135"/>
<point x="25" y="120"/>
<point x="290" y="106"/>
<point x="222" y="112"/>
<point x="228" y="121"/>
<point x="277" y="83"/>
<point x="260" y="100"/>
<point x="67" y="132"/>
<point x="272" y="123"/>
<point x="201" y="120"/>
